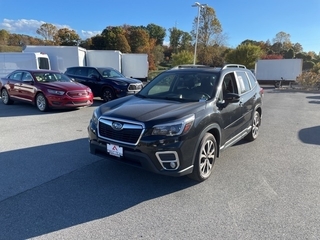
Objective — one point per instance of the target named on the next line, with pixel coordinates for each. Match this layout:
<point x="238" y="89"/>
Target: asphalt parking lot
<point x="52" y="188"/>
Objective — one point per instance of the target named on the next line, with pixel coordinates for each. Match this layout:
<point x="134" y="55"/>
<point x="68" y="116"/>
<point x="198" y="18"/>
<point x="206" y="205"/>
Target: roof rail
<point x="233" y="66"/>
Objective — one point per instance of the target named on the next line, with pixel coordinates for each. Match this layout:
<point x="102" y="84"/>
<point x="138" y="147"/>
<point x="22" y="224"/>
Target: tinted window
<point x="243" y="81"/>
<point x="43" y="63"/>
<point x="16" y="76"/>
<point x="70" y="70"/>
<point x="183" y="86"/>
<point x="27" y="77"/>
<point x="81" y="72"/>
<point x="229" y="84"/>
<point x="93" y="72"/>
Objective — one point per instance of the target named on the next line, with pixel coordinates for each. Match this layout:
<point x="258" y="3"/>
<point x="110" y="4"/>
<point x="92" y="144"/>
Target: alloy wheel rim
<point x="41" y="102"/>
<point x="255" y="126"/>
<point x="207" y="159"/>
<point x="4" y="96"/>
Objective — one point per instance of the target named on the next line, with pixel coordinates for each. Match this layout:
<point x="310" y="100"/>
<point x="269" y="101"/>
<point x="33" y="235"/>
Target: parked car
<point x="45" y="89"/>
<point x="106" y="83"/>
<point x="181" y="121"/>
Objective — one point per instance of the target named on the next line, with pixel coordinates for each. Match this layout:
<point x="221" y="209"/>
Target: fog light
<point x="172" y="165"/>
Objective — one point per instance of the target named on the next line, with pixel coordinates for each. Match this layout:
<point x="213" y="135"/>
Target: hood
<point x="67" y="86"/>
<point x="127" y="80"/>
<point x="148" y="110"/>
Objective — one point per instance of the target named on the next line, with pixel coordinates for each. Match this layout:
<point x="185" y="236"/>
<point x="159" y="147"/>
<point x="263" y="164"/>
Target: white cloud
<point x="88" y="34"/>
<point x="30" y="26"/>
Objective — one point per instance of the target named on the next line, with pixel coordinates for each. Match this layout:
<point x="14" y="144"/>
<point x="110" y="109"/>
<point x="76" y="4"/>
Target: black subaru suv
<point x="181" y="121"/>
<point x="106" y="83"/>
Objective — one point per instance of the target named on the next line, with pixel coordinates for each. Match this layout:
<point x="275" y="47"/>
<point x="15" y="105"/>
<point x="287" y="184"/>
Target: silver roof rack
<point x="233" y="66"/>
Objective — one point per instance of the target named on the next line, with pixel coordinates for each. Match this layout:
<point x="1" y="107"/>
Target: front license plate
<point x="114" y="150"/>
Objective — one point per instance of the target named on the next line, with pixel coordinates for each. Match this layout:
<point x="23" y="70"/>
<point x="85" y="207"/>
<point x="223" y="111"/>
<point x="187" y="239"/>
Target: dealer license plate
<point x="114" y="150"/>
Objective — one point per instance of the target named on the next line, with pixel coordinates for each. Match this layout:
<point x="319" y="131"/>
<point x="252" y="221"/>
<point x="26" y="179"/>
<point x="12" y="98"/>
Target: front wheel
<point x="107" y="94"/>
<point x="254" y="132"/>
<point x="205" y="158"/>
<point x="41" y="102"/>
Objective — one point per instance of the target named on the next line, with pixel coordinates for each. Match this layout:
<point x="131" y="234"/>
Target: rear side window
<point x="81" y="72"/>
<point x="70" y="71"/>
<point x="252" y="79"/>
<point x="243" y="82"/>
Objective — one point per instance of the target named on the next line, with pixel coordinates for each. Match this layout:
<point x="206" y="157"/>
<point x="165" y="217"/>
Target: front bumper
<point x="172" y="159"/>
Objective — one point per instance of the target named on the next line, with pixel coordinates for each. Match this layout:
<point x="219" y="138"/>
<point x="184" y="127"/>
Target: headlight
<point x="120" y="83"/>
<point x="56" y="92"/>
<point x="174" y="128"/>
<point x="95" y="116"/>
<point x="89" y="90"/>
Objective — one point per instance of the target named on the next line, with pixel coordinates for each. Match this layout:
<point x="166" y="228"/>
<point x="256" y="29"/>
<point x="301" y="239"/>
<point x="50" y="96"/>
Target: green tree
<point x="212" y="55"/>
<point x="174" y="38"/>
<point x="47" y="31"/>
<point x="158" y="53"/>
<point x="156" y="32"/>
<point x="179" y="40"/>
<point x="244" y="54"/>
<point x="289" y="54"/>
<point x="4" y="36"/>
<point x="183" y="57"/>
<point x="185" y="42"/>
<point x="99" y="42"/>
<point x="115" y="39"/>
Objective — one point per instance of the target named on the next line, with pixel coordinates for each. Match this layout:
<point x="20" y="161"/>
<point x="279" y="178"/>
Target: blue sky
<point x="247" y="19"/>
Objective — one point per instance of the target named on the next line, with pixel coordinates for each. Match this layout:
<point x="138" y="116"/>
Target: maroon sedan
<point x="45" y="89"/>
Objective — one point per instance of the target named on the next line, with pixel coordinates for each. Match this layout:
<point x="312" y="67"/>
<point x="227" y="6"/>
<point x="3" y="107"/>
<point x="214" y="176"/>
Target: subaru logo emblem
<point x="117" y="126"/>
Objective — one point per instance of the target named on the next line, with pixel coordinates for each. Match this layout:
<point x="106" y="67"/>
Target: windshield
<point x="182" y="86"/>
<point x="51" y="77"/>
<point x="106" y="73"/>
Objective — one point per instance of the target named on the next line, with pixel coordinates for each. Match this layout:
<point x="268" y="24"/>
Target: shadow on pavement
<point x="310" y="135"/>
<point x="96" y="190"/>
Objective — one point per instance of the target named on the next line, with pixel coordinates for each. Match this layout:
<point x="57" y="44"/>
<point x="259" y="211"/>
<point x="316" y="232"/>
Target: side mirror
<point x="231" y="97"/>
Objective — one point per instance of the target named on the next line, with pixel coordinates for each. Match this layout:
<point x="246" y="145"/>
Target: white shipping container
<point x="61" y="57"/>
<point x="135" y="65"/>
<point x="275" y="69"/>
<point x="104" y="58"/>
<point x="10" y="61"/>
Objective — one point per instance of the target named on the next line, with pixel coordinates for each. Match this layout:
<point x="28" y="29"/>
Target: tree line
<point x="212" y="46"/>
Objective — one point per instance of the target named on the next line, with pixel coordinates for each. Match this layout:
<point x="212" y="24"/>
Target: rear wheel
<point x="256" y="121"/>
<point x="41" y="102"/>
<point x="205" y="158"/>
<point x="5" y="97"/>
<point x="107" y="94"/>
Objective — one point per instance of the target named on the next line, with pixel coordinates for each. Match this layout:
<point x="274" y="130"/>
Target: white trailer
<point x="10" y="61"/>
<point x="61" y="57"/>
<point x="275" y="70"/>
<point x="104" y="58"/>
<point x="135" y="65"/>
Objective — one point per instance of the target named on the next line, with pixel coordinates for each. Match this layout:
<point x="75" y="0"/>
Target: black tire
<point x="205" y="158"/>
<point x="107" y="94"/>
<point x="5" y="97"/>
<point x="41" y="103"/>
<point x="254" y="132"/>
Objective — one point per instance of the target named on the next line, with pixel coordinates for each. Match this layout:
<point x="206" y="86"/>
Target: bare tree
<point x="47" y="31"/>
